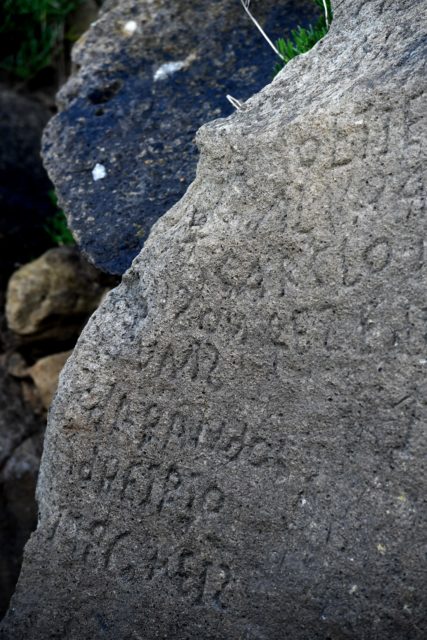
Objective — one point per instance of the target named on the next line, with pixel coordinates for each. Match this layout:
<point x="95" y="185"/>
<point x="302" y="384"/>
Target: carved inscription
<point x="324" y="329"/>
<point x="152" y="489"/>
<point x="307" y="329"/>
<point x="199" y="577"/>
<point x="203" y="582"/>
<point x="195" y="360"/>
<point x="331" y="264"/>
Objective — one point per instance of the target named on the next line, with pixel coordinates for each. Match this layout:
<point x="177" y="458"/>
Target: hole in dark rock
<point x="100" y="95"/>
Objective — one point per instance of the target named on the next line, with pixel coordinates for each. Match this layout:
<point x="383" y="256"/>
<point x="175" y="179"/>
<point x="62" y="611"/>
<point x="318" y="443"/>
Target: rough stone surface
<point x="24" y="185"/>
<point x="53" y="295"/>
<point x="126" y="115"/>
<point x="236" y="446"/>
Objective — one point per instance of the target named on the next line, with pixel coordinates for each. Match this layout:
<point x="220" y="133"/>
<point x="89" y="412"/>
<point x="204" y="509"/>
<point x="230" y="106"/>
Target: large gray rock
<point x="132" y="120"/>
<point x="236" y="447"/>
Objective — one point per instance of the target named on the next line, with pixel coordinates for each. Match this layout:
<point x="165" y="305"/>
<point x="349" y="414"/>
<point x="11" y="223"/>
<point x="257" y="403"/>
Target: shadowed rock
<point x="236" y="447"/>
<point x="25" y="205"/>
<point x="20" y="449"/>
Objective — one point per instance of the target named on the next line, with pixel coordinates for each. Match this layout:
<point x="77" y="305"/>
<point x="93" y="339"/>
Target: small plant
<point x="303" y="39"/>
<point x="57" y="227"/>
<point x="31" y="34"/>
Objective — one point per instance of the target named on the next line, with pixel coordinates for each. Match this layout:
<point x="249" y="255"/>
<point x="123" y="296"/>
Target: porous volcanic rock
<point x="132" y="120"/>
<point x="236" y="447"/>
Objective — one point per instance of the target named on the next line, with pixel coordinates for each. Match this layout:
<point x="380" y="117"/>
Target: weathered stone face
<point x="236" y="448"/>
<point x="122" y="152"/>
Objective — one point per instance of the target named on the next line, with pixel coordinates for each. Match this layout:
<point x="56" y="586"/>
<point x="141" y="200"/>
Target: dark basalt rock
<point x="115" y="114"/>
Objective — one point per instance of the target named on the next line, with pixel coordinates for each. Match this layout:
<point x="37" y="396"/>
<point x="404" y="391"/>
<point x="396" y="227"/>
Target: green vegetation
<point x="57" y="227"/>
<point x="303" y="39"/>
<point x="32" y="33"/>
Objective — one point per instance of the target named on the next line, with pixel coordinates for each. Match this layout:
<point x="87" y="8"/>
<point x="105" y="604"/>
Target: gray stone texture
<point x="236" y="448"/>
<point x="113" y="111"/>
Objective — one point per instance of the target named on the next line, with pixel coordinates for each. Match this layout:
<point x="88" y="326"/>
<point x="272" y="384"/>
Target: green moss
<point x="57" y="227"/>
<point x="31" y="34"/>
<point x="303" y="39"/>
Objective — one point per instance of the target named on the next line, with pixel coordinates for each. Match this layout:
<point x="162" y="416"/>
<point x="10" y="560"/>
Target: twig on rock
<point x="236" y="103"/>
<point x="245" y="4"/>
<point x="326" y="13"/>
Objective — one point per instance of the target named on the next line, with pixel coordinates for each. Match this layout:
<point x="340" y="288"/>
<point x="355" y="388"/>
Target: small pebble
<point x="99" y="172"/>
<point x="168" y="69"/>
<point x="130" y="27"/>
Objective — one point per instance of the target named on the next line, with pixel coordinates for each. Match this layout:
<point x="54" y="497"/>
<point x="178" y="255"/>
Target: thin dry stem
<point x="236" y="103"/>
<point x="326" y="13"/>
<point x="245" y="4"/>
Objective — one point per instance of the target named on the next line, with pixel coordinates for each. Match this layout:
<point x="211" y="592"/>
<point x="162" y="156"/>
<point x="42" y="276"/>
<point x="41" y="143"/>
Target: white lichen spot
<point x="381" y="548"/>
<point x="353" y="589"/>
<point x="99" y="172"/>
<point x="303" y="502"/>
<point x="130" y="27"/>
<point x="422" y="361"/>
<point x="168" y="69"/>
